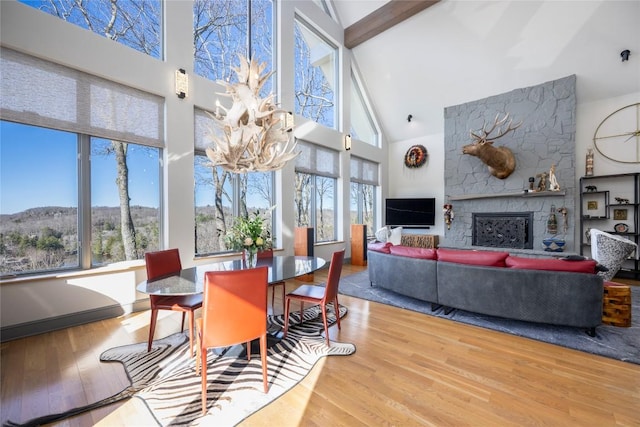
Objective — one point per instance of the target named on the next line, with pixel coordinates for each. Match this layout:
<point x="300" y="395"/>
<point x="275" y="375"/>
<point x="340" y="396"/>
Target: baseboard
<point x="42" y="326"/>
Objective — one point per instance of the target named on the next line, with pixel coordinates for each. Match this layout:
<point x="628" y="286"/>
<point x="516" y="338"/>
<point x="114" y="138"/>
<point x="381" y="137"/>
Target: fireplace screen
<point x="503" y="230"/>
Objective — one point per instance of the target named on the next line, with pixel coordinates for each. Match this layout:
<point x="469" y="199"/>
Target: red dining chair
<point x="162" y="264"/>
<point x="319" y="295"/>
<point x="234" y="311"/>
<point x="266" y="254"/>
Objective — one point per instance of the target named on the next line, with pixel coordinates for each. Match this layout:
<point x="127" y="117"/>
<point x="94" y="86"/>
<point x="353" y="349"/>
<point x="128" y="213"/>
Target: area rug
<point x="165" y="379"/>
<point x="610" y="341"/>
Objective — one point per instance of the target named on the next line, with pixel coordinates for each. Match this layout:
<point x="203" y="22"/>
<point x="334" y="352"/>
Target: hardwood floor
<point x="409" y="369"/>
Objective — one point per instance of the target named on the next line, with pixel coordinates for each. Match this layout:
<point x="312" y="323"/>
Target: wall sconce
<point x="288" y="121"/>
<point x="409" y="117"/>
<point x="625" y="55"/>
<point x="182" y="83"/>
<point x="347" y="142"/>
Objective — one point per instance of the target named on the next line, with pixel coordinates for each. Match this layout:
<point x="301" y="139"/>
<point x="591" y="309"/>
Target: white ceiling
<point x="459" y="51"/>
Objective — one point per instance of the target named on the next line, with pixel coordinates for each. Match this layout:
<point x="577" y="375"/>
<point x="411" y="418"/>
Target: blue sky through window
<point x="38" y="168"/>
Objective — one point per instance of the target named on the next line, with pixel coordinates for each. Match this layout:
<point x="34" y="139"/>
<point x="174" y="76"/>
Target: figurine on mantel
<point x="448" y="214"/>
<point x="542" y="184"/>
<point x="553" y="181"/>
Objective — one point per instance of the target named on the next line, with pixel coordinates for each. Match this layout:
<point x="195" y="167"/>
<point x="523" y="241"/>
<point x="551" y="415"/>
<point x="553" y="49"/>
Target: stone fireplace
<point x="503" y="230"/>
<point x="545" y="138"/>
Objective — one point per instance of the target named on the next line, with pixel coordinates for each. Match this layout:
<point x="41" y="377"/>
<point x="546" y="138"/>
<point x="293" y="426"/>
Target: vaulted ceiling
<point x="454" y="52"/>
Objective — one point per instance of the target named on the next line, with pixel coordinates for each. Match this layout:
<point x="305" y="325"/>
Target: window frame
<point x="85" y="204"/>
<point x="336" y="98"/>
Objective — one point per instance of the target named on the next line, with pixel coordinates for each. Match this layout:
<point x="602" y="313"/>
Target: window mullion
<point x="84" y="200"/>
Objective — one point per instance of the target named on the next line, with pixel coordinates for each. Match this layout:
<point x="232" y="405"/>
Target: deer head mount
<point x="500" y="160"/>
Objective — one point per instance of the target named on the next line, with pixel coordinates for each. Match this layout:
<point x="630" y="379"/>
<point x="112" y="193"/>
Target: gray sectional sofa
<point x="537" y="290"/>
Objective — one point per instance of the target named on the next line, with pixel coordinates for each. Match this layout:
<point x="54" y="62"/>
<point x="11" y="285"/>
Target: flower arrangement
<point x="249" y="233"/>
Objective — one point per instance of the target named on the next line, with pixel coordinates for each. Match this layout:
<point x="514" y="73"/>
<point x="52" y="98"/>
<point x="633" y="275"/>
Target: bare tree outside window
<point x="303" y="199"/>
<point x="315" y="76"/>
<point x="220" y="34"/>
<point x="363" y="205"/>
<point x="132" y="23"/>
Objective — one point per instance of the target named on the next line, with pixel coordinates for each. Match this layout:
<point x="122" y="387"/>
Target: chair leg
<point x="301" y="312"/>
<point x="198" y="352"/>
<point x="203" y="361"/>
<point x="323" y="307"/>
<point x="263" y="356"/>
<point x="182" y="325"/>
<point x="287" y="304"/>
<point x="191" y="324"/>
<point x="284" y="290"/>
<point x="273" y="297"/>
<point x="248" y="350"/>
<point x="152" y="327"/>
<point x="336" y="309"/>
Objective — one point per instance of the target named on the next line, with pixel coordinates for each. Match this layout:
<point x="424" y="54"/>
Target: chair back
<point x="333" y="279"/>
<point x="611" y="251"/>
<point x="234" y="308"/>
<point x="162" y="263"/>
<point x="265" y="254"/>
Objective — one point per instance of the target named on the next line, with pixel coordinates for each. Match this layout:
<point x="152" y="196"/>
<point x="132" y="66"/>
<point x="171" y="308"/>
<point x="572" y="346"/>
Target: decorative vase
<point x="250" y="257"/>
<point x="589" y="163"/>
<point x="553" y="244"/>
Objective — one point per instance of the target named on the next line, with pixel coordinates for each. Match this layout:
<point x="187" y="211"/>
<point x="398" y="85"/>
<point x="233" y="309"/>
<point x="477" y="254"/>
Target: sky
<point x="38" y="168"/>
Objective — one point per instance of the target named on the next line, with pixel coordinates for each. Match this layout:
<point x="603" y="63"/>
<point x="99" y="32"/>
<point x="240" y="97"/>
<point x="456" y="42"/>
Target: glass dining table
<point x="191" y="280"/>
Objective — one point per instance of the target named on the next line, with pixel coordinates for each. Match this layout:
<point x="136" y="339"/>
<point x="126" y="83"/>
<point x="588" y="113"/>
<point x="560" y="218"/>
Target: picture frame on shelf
<point x="620" y="214"/>
<point x="592" y="205"/>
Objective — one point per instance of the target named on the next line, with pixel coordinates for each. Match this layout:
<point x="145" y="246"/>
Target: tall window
<point x="125" y="200"/>
<point x="322" y="4"/>
<point x="221" y="30"/>
<point x="315" y="76"/>
<point x="133" y="23"/>
<point x="317" y="169"/>
<point x="364" y="183"/>
<point x="91" y="162"/>
<point x="220" y="195"/>
<point x="363" y="128"/>
<point x="43" y="216"/>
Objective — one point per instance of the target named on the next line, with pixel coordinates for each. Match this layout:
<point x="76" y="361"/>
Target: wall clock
<point x="617" y="137"/>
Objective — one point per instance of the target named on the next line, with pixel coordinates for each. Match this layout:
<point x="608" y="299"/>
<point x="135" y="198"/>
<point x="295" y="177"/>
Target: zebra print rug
<point x="165" y="378"/>
<point x="171" y="389"/>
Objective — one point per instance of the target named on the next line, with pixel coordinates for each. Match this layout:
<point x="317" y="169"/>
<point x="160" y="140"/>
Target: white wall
<point x="589" y="116"/>
<point x="425" y="181"/>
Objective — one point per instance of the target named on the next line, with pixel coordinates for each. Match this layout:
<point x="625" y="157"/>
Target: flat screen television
<point x="416" y="212"/>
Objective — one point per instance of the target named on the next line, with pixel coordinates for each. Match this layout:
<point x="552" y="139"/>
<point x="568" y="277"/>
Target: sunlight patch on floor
<point x="141" y="320"/>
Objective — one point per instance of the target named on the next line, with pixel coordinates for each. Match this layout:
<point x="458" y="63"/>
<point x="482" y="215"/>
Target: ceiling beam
<point x="392" y="13"/>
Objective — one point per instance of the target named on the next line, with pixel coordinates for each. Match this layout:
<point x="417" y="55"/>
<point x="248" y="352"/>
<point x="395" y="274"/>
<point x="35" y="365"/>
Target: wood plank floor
<point x="410" y="369"/>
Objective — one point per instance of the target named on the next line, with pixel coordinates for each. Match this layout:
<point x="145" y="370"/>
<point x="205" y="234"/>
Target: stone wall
<point x="546" y="137"/>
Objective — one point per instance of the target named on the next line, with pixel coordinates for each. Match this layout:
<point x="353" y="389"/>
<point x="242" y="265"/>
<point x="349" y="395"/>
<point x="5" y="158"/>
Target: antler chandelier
<point x="252" y="135"/>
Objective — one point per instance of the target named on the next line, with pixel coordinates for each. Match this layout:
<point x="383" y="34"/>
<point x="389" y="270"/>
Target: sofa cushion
<point x="585" y="266"/>
<point x="412" y="252"/>
<point x="472" y="257"/>
<point x="395" y="238"/>
<point x="383" y="234"/>
<point x="380" y="247"/>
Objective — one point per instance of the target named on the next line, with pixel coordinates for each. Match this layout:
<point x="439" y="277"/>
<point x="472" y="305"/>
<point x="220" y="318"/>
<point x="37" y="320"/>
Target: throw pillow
<point x="382" y="234"/>
<point x="411" y="252"/>
<point x="379" y="247"/>
<point x="395" y="238"/>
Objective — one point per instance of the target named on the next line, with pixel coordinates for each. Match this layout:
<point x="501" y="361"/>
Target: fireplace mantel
<point x="462" y="197"/>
